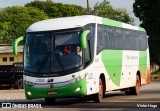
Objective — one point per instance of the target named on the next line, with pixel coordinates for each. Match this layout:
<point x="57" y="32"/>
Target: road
<point x="148" y="100"/>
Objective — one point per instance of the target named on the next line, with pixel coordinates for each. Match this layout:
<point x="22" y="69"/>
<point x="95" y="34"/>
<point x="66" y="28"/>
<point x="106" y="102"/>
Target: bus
<point x="114" y="56"/>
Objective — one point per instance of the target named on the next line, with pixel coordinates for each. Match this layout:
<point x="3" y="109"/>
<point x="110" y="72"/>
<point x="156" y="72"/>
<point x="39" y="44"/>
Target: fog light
<point x="29" y="93"/>
<point x="78" y="89"/>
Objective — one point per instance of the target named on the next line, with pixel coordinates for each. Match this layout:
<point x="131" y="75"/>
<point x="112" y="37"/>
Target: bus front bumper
<point x="74" y="90"/>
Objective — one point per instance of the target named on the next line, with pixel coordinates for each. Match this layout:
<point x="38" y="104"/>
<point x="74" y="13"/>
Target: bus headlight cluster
<point x="28" y="83"/>
<point x="78" y="79"/>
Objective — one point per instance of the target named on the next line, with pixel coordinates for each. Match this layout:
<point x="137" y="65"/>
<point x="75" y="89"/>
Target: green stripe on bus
<point x="141" y="29"/>
<point x="110" y="22"/>
<point x="66" y="91"/>
<point x="143" y="62"/>
<point x="112" y="60"/>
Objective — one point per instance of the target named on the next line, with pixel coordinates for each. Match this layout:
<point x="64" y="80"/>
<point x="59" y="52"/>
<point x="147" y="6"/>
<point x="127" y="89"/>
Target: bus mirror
<point x="15" y="44"/>
<point x="83" y="40"/>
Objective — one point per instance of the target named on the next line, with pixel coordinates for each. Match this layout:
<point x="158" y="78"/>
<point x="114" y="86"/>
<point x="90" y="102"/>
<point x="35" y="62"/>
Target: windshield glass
<point x="52" y="51"/>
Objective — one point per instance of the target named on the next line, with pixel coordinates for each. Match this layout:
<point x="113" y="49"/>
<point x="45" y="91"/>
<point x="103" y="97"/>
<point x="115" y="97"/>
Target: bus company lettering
<point x="131" y="57"/>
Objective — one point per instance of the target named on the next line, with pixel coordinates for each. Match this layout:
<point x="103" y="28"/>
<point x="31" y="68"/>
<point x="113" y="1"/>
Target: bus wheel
<point x="18" y="84"/>
<point x="134" y="90"/>
<point x="99" y="96"/>
<point x="50" y="100"/>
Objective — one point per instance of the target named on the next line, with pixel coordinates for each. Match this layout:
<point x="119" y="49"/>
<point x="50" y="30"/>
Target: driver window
<point x="89" y="51"/>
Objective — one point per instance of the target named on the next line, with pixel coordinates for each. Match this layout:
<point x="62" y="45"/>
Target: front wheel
<point x="99" y="96"/>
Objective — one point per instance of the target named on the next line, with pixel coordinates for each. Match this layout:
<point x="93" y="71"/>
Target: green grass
<point x="155" y="75"/>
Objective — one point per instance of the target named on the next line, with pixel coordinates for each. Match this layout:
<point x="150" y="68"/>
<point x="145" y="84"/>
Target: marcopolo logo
<point x="50" y="80"/>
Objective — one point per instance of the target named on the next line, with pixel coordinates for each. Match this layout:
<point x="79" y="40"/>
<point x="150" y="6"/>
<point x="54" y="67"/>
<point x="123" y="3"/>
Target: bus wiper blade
<point x="59" y="61"/>
<point x="44" y="62"/>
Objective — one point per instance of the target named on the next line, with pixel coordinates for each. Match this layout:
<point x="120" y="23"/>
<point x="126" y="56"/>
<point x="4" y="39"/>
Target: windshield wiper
<point x="59" y="61"/>
<point x="44" y="61"/>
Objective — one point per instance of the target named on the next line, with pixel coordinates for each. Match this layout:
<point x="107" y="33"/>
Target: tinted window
<point x="142" y="40"/>
<point x="120" y="39"/>
<point x="90" y="38"/>
<point x="128" y="39"/>
<point x="116" y="38"/>
<point x="136" y="40"/>
<point x="101" y="38"/>
<point x="112" y="38"/>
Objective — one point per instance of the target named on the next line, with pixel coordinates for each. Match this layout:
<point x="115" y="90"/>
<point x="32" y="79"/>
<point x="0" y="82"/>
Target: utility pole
<point x="88" y="5"/>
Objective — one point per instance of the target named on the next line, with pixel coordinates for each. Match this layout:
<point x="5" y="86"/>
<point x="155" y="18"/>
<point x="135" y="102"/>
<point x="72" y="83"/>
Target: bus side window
<point x="135" y="40"/>
<point x="99" y="43"/>
<point x="112" y="38"/>
<point x="120" y="38"/>
<point x="143" y="41"/>
<point x="91" y="38"/>
<point x="128" y="39"/>
<point x="100" y="38"/>
<point x="103" y="38"/>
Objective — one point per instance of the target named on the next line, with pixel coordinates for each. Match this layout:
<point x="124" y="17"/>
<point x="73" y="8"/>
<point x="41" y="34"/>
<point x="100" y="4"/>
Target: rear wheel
<point x="50" y="100"/>
<point x="134" y="90"/>
<point x="99" y="96"/>
<point x="18" y="84"/>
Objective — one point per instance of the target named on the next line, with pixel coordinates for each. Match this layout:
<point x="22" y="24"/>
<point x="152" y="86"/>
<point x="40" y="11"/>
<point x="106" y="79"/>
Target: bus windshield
<point x="48" y="52"/>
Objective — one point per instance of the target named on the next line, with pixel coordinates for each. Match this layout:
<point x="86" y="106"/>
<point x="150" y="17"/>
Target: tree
<point x="148" y="13"/>
<point x="15" y="20"/>
<point x="104" y="9"/>
<point x="54" y="10"/>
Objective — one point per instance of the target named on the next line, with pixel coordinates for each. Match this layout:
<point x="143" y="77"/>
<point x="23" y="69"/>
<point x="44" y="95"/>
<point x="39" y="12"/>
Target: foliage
<point x="54" y="10"/>
<point x="148" y="13"/>
<point x="104" y="9"/>
<point x="155" y="75"/>
<point x="15" y="20"/>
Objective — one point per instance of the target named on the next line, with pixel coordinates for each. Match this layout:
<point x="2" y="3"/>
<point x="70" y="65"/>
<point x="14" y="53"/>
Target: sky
<point x="127" y="4"/>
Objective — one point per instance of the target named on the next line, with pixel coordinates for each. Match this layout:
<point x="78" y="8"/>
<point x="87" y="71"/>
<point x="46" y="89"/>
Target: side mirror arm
<point x="83" y="39"/>
<point x="15" y="44"/>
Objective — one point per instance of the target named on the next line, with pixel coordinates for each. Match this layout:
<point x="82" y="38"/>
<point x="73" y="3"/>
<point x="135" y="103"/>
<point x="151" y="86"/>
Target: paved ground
<point x="10" y="94"/>
<point x="148" y="100"/>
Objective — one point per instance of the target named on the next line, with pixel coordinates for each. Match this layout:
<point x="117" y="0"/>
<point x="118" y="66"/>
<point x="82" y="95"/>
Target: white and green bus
<point x="114" y="56"/>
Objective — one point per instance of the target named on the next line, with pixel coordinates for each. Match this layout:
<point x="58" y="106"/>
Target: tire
<point x="134" y="90"/>
<point x="18" y="84"/>
<point x="50" y="100"/>
<point x="97" y="98"/>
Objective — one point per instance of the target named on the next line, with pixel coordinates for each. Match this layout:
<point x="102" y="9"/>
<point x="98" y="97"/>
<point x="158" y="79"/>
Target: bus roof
<point x="76" y="21"/>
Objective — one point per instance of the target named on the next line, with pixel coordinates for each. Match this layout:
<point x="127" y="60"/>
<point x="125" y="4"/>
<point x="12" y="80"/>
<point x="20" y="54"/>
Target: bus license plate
<point x="52" y="92"/>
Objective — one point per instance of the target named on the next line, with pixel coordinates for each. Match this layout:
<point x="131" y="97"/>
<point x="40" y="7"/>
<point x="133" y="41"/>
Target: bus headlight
<point x="77" y="79"/>
<point x="28" y="83"/>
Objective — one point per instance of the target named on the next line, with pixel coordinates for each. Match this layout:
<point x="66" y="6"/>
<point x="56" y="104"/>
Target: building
<point x="7" y="57"/>
<point x="11" y="67"/>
